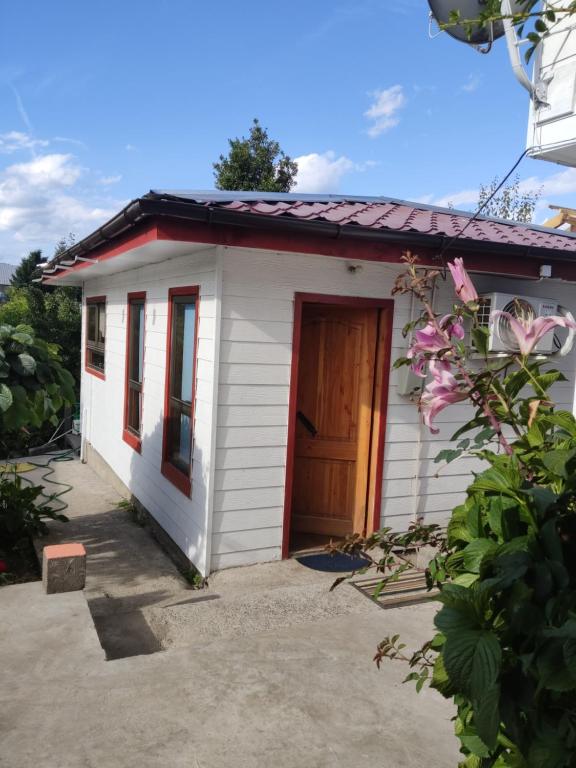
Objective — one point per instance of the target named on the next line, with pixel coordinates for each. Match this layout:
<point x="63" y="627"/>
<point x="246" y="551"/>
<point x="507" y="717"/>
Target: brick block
<point x="63" y="568"/>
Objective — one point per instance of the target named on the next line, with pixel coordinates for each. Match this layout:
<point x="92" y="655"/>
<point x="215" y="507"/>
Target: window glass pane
<point x="101" y="323"/>
<point x="96" y="360"/>
<point x="136" y="341"/>
<point x="140" y="341"/>
<point x="92" y="319"/>
<point x="179" y="437"/>
<point x="183" y="320"/>
<point x="134" y="409"/>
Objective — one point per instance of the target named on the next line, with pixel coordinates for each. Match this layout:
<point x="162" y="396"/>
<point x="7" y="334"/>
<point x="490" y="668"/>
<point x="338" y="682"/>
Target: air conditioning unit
<point x="527" y="308"/>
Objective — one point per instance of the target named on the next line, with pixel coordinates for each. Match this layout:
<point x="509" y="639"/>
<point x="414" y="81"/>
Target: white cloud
<point x="107" y="180"/>
<point x="14" y="141"/>
<point x="45" y="199"/>
<point x="561" y="183"/>
<point x="472" y="84"/>
<point x="383" y="111"/>
<point x="46" y="171"/>
<point x="550" y="188"/>
<point x="322" y="172"/>
<point x="461" y="199"/>
<point x="130" y="148"/>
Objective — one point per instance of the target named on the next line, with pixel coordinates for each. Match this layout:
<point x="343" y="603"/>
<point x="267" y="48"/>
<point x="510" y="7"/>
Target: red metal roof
<point x="330" y="216"/>
<point x="407" y="217"/>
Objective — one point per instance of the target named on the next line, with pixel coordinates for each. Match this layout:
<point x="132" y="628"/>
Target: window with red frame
<point x="96" y="334"/>
<point x="134" y="368"/>
<point x="180" y="372"/>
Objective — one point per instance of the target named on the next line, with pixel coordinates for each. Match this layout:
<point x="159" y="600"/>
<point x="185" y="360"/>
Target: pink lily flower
<point x="529" y="333"/>
<point x="464" y="286"/>
<point x="429" y="340"/>
<point x="442" y="391"/>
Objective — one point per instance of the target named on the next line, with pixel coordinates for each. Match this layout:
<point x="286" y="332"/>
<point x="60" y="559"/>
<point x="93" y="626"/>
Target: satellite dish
<point x="469" y="10"/>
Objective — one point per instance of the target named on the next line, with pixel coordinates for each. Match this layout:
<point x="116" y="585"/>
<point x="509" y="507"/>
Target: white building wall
<point x="255" y="357"/>
<point x="235" y="514"/>
<point x="184" y="519"/>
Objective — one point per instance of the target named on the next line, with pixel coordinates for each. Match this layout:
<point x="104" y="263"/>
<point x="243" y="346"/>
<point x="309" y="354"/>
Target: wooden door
<point x="334" y="419"/>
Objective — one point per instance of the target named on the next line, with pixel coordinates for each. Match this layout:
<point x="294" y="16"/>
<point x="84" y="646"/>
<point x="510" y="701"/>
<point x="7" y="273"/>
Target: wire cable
<point x="480" y="209"/>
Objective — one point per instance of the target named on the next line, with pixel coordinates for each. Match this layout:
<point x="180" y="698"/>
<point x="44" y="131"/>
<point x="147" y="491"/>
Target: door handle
<point x="307" y="423"/>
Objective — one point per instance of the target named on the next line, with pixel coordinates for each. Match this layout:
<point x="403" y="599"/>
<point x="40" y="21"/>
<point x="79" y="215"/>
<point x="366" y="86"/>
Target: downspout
<point x="83" y="380"/>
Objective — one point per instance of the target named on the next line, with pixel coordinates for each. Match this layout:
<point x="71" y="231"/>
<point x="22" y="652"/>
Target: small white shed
<point x="237" y="361"/>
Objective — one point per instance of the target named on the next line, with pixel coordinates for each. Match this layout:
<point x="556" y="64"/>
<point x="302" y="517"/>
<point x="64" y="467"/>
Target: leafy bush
<point x="52" y="313"/>
<point x="34" y="386"/>
<point x="21" y="516"/>
<point x="505" y="649"/>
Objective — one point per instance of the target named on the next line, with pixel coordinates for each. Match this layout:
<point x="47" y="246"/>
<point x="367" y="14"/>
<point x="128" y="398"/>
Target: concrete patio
<point x="265" y="666"/>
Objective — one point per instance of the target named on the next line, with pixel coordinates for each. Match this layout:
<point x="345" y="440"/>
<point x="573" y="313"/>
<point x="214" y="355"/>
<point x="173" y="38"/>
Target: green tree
<point x="53" y="312"/>
<point x="34" y="385"/>
<point x="510" y="202"/>
<point x="255" y="163"/>
<point x="27" y="270"/>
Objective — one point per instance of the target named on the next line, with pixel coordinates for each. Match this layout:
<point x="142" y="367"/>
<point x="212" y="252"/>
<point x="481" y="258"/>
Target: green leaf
<point x="476" y="552"/>
<point x="487" y="715"/>
<point x="440" y="680"/>
<point x="472" y="741"/>
<point x="466" y="579"/>
<point x="563" y="419"/>
<point x="5" y="397"/>
<point x="503" y="479"/>
<point x="480" y="336"/>
<point x="25" y="364"/>
<point x="556" y="461"/>
<point x="447" y="455"/>
<point x="552" y="669"/>
<point x="22" y="337"/>
<point x="472" y="659"/>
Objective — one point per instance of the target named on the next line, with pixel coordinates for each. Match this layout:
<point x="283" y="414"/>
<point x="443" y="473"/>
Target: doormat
<point x="410" y="588"/>
<point x="338" y="562"/>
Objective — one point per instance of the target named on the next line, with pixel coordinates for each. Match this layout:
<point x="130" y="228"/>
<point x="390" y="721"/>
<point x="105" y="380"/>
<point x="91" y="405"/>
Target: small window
<point x="180" y="374"/>
<point x="134" y="369"/>
<point x="95" y="334"/>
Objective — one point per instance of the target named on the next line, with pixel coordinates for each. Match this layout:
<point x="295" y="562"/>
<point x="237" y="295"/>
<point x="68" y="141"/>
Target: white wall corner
<point x="214" y="415"/>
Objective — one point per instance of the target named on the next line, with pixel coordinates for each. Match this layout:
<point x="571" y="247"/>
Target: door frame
<point x="381" y="384"/>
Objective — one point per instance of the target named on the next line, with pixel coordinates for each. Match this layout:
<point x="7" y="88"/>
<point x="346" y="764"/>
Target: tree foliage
<point x="52" y="312"/>
<point x="27" y="270"/>
<point x="510" y="202"/>
<point x="255" y="163"/>
<point x="34" y="385"/>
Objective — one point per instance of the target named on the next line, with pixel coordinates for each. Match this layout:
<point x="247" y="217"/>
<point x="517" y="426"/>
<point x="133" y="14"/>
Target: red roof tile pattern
<point x="405" y="217"/>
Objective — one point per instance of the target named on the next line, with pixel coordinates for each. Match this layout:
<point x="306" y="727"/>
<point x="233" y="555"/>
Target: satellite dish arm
<point x="513" y="51"/>
<point x="569" y="343"/>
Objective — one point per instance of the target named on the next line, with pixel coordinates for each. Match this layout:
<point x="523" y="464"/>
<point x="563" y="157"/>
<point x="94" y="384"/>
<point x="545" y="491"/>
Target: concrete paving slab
<point x="266" y="666"/>
<point x="308" y="696"/>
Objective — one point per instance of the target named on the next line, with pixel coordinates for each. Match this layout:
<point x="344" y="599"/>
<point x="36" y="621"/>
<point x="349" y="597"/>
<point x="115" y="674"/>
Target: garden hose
<point x="21" y="468"/>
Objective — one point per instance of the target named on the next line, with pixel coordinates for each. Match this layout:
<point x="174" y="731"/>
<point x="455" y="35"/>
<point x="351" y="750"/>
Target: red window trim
<point x="134" y="441"/>
<point x="93" y="371"/>
<point x="178" y="478"/>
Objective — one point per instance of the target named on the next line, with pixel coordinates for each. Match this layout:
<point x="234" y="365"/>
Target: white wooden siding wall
<point x="255" y="356"/>
<point x="185" y="520"/>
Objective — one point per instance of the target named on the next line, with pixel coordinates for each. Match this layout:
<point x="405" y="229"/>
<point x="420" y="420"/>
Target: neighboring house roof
<point x="6" y="272"/>
<point x="370" y="219"/>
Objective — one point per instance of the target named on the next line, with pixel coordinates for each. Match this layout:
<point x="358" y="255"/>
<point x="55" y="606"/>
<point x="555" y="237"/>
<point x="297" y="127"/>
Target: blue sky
<point x="101" y="101"/>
